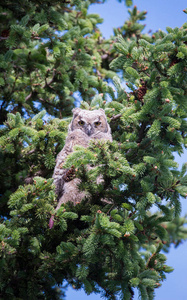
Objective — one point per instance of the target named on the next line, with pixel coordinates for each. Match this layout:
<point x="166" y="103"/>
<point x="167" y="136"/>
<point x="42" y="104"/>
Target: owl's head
<point x="90" y="122"/>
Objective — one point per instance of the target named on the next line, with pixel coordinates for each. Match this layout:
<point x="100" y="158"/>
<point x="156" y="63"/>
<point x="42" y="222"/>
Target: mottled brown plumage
<point x="85" y="126"/>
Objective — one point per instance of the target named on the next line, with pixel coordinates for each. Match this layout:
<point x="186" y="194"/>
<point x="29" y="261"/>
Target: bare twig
<point x="114" y="117"/>
<point x="3" y="38"/>
<point x="29" y="96"/>
<point x="52" y="79"/>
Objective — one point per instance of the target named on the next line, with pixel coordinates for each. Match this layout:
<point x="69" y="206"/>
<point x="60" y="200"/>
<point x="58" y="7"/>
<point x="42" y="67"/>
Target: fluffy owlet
<point x="85" y="126"/>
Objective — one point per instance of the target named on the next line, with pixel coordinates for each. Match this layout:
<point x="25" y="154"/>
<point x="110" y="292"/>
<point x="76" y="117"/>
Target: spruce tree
<point x="52" y="51"/>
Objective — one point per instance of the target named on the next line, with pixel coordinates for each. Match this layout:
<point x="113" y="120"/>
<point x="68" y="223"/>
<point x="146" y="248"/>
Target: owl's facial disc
<point x="90" y="122"/>
<point x="88" y="127"/>
<point x="92" y="128"/>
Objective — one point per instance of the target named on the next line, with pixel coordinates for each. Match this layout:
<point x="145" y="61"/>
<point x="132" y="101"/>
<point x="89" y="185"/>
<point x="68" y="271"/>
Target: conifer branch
<point x="141" y="133"/>
<point x="47" y="102"/>
<point x="159" y="69"/>
<point x="123" y="179"/>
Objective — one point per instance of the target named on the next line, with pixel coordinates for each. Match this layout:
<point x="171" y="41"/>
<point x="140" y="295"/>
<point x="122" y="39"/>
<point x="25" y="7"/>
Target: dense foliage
<point x="53" y="55"/>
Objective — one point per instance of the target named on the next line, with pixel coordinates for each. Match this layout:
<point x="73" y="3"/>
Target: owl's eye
<point x="97" y="123"/>
<point x="81" y="122"/>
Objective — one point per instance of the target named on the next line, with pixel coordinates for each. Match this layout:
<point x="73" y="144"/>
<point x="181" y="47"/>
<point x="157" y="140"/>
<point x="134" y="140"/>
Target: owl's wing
<point x="59" y="171"/>
<point x="77" y="137"/>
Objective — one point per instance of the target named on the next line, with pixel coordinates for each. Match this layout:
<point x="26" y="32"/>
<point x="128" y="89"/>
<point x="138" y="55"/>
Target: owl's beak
<point x="89" y="129"/>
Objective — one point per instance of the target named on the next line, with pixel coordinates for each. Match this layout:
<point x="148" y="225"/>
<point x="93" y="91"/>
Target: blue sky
<point x="160" y="14"/>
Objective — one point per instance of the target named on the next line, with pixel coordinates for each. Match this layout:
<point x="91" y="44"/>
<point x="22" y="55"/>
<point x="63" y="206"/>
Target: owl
<point x="84" y="127"/>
